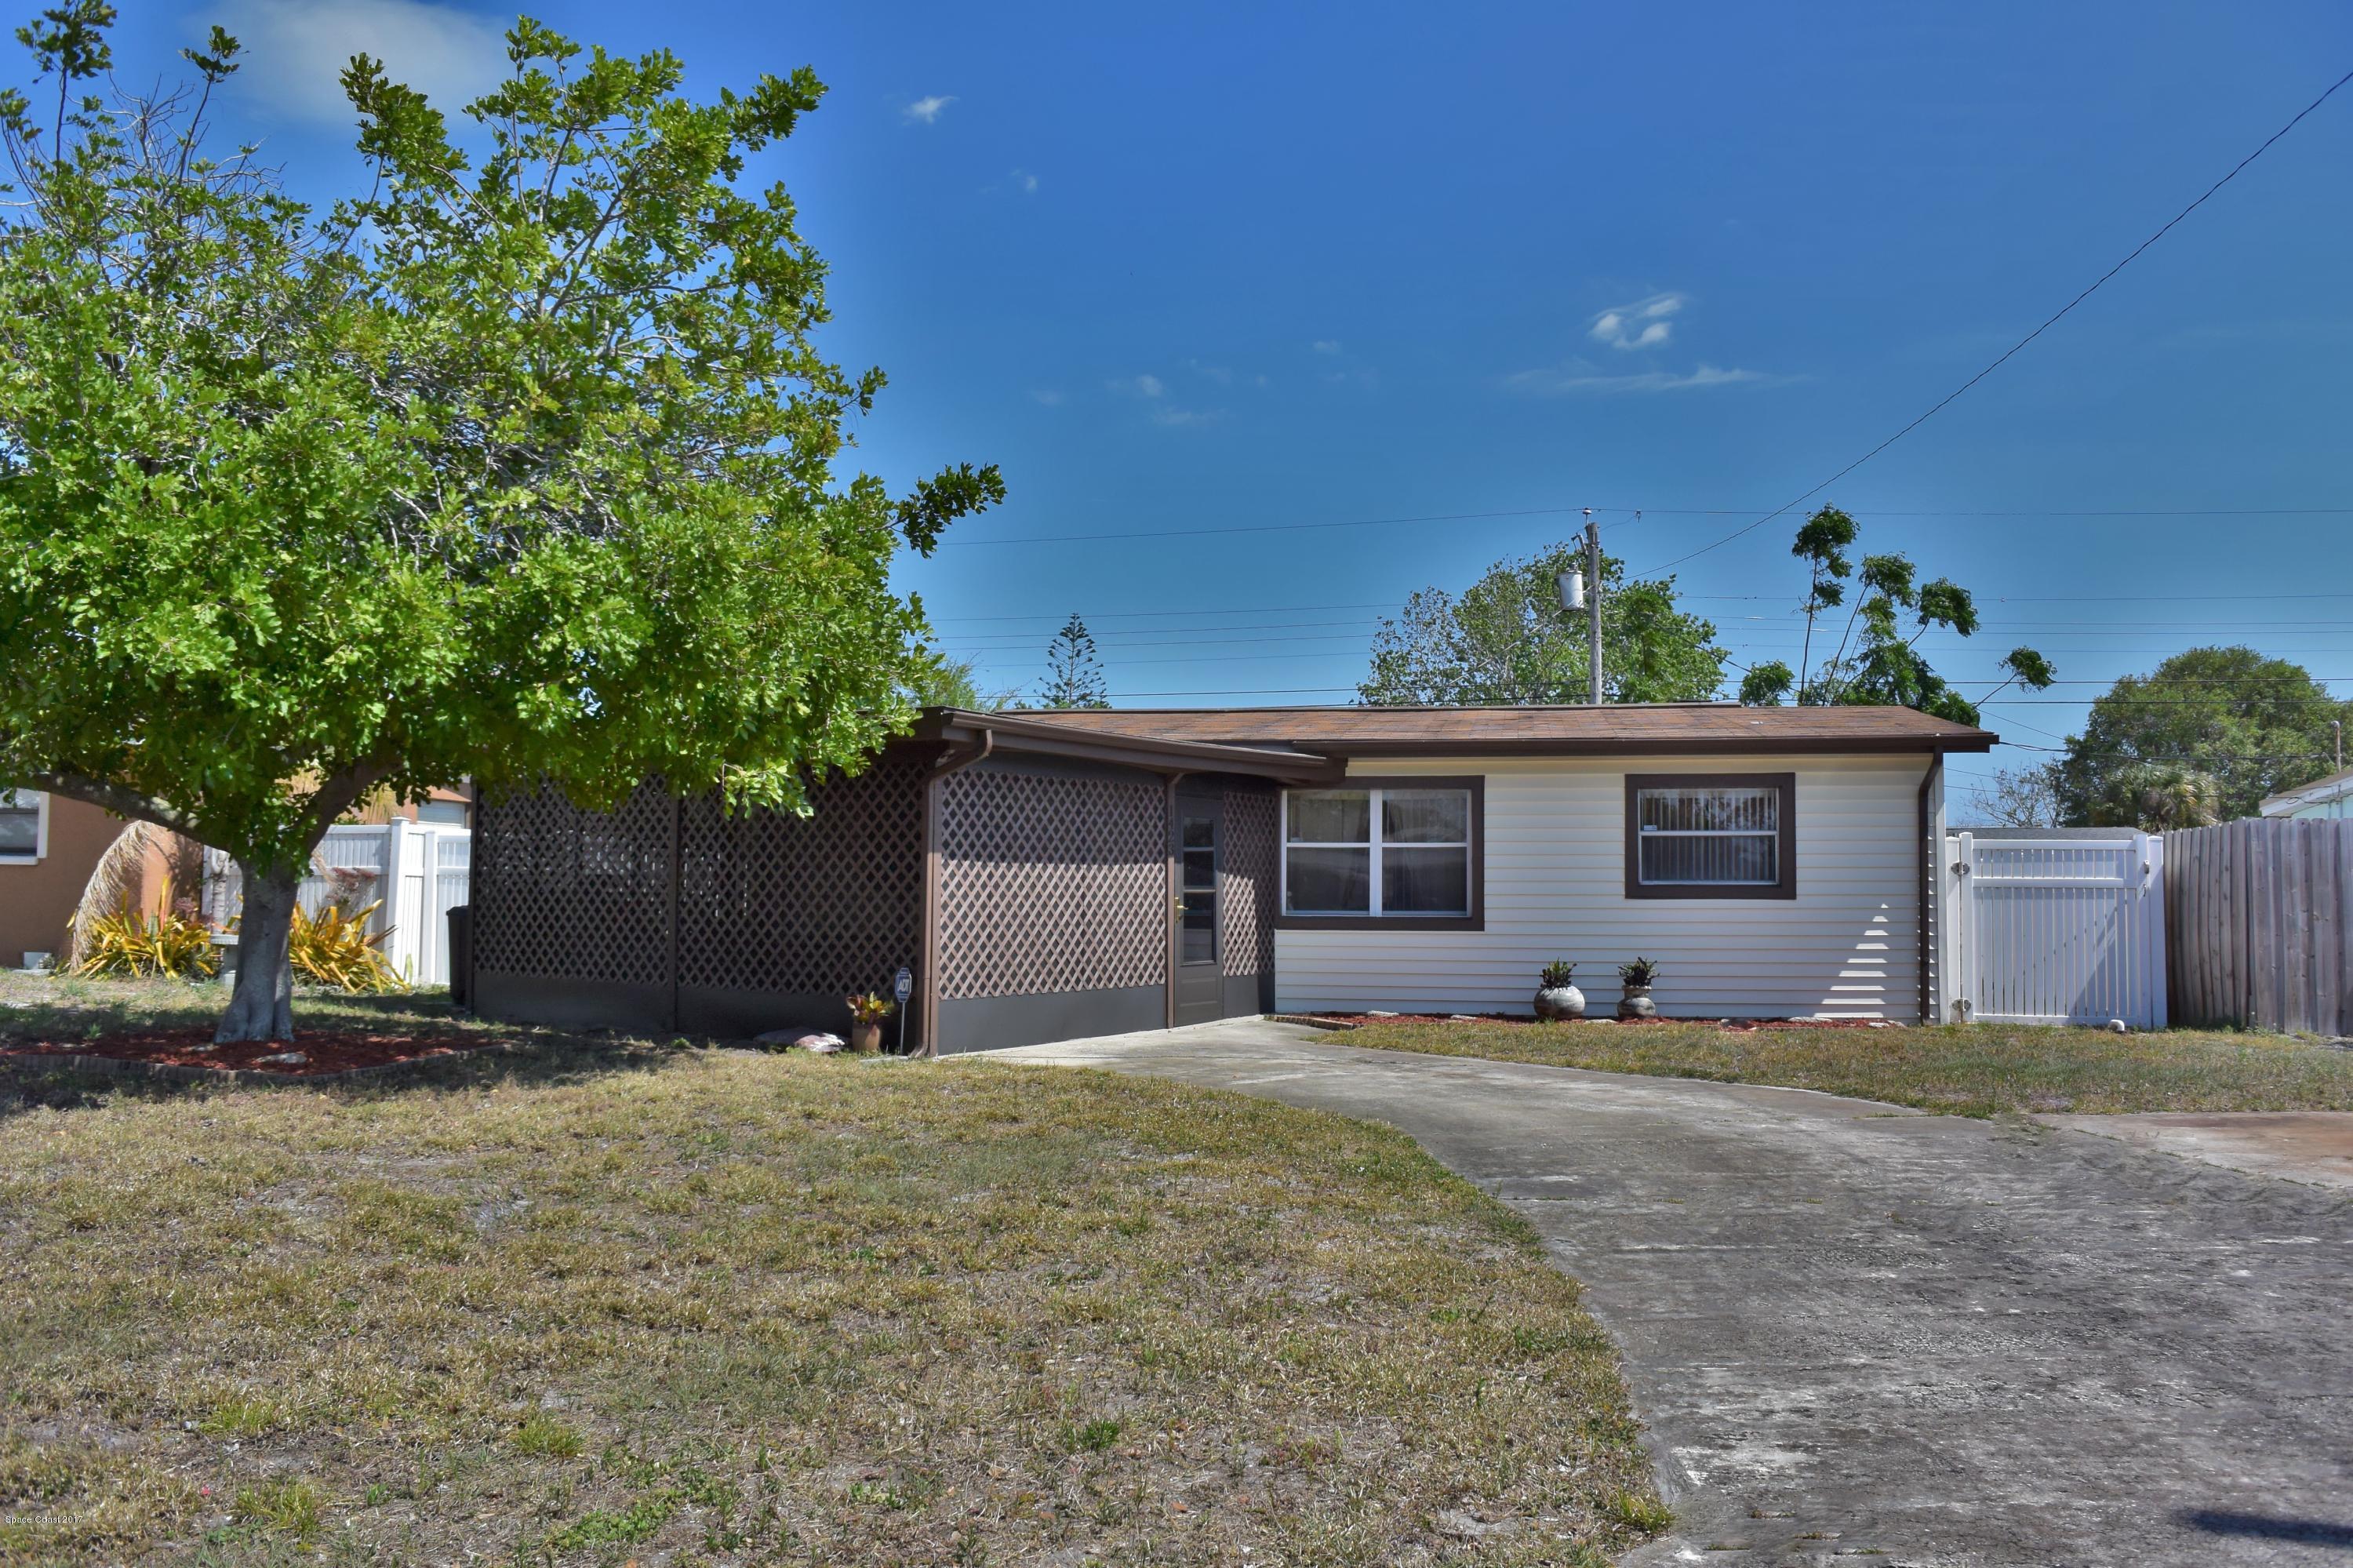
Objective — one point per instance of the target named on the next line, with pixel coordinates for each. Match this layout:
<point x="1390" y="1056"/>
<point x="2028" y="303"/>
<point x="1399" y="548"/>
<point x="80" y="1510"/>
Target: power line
<point x="2051" y="320"/>
<point x="2077" y="515"/>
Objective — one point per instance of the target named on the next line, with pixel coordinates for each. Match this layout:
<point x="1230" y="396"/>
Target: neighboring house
<point x="49" y="844"/>
<point x="49" y="847"/>
<point x="2323" y="800"/>
<point x="1044" y="875"/>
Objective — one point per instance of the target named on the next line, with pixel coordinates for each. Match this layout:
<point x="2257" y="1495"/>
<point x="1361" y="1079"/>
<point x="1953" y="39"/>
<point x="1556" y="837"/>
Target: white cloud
<point x="1025" y="181"/>
<point x="1326" y="345"/>
<point x="1177" y="418"/>
<point x="296" y="51"/>
<point x="1642" y="324"/>
<point x="926" y="111"/>
<point x="1219" y="373"/>
<point x="1139" y="385"/>
<point x="1048" y="396"/>
<point x="1578" y="376"/>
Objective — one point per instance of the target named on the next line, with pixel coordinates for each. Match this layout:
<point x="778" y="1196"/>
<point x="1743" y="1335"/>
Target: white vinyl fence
<point x="2050" y="928"/>
<point x="420" y="870"/>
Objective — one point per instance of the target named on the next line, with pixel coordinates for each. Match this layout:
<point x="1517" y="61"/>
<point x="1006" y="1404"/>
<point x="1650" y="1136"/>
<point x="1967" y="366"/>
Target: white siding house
<point x="1772" y="861"/>
<point x="2328" y="800"/>
<point x="1847" y="945"/>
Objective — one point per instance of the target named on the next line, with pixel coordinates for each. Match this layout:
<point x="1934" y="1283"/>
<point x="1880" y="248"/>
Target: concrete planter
<point x="1635" y="1002"/>
<point x="866" y="1039"/>
<point x="1560" y="1003"/>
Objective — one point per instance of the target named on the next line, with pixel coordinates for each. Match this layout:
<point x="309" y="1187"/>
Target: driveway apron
<point x="1858" y="1332"/>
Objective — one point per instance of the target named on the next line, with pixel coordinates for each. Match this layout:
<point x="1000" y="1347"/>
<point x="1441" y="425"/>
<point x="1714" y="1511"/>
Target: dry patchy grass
<point x="1982" y="1069"/>
<point x="603" y="1301"/>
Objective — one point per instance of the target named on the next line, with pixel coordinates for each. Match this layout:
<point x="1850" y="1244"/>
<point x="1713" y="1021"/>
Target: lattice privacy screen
<point x="559" y="891"/>
<point x="1052" y="884"/>
<point x="816" y="905"/>
<point x="1248" y="882"/>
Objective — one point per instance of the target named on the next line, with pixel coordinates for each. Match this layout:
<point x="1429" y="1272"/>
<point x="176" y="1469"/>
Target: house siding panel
<point x="1847" y="946"/>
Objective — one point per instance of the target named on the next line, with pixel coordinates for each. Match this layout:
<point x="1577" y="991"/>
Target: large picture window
<point x="1392" y="851"/>
<point x="1711" y="835"/>
<point x="21" y="826"/>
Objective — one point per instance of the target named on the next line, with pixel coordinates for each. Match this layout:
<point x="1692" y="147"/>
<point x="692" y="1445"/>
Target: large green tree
<point x="1507" y="640"/>
<point x="2253" y="725"/>
<point x="1876" y="659"/>
<point x="520" y="470"/>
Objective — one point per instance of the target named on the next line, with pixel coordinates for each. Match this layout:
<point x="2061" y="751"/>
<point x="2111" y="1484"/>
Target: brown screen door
<point x="1200" y="975"/>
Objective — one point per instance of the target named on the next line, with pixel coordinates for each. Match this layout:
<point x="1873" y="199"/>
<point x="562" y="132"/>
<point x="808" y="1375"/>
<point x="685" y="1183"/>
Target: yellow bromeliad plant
<point x="335" y="947"/>
<point x="123" y="941"/>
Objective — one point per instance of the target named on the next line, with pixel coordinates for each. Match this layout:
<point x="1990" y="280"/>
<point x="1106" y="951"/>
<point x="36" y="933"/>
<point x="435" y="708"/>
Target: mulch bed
<point x="1738" y="1025"/>
<point x="190" y="1051"/>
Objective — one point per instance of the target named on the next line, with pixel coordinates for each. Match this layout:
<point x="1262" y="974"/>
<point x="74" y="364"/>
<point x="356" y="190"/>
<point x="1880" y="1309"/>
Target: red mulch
<point x="327" y="1051"/>
<point x="1738" y="1025"/>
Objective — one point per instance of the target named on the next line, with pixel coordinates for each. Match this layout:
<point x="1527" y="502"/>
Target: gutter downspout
<point x="928" y="985"/>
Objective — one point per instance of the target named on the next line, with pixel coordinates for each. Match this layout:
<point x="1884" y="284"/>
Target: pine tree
<point x="1074" y="676"/>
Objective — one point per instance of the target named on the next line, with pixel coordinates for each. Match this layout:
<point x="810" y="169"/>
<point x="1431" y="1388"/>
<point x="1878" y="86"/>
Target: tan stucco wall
<point x="36" y="900"/>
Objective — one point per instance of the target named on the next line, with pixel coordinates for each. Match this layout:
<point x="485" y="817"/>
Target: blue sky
<point x="1208" y="268"/>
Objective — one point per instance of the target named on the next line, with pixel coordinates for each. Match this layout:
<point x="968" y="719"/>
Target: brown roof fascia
<point x="1758" y="746"/>
<point x="958" y="726"/>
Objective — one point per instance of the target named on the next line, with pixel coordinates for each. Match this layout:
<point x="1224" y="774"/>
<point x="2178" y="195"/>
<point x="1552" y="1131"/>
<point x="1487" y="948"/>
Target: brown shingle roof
<point x="1686" y="728"/>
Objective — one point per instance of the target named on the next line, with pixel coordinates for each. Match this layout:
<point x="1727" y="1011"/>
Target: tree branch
<point x="114" y="798"/>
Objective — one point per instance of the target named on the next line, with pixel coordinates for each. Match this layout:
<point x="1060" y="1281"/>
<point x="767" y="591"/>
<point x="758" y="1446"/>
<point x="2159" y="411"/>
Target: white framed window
<point x="24" y="826"/>
<point x="1709" y="836"/>
<point x="1391" y="851"/>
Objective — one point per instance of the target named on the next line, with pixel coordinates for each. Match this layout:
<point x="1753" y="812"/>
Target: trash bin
<point x="461" y="955"/>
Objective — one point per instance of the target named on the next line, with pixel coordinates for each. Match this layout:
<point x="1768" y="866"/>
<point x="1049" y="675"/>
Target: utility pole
<point x="1593" y="609"/>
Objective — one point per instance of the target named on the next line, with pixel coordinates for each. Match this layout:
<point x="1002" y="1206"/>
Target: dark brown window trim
<point x="1476" y="783"/>
<point x="1787" y="783"/>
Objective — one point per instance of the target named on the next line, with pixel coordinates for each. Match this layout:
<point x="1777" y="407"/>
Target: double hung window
<point x="1377" y="853"/>
<point x="21" y="825"/>
<point x="1709" y="836"/>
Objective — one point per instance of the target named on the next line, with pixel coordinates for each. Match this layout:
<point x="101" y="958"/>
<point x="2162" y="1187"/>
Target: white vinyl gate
<point x="2050" y="929"/>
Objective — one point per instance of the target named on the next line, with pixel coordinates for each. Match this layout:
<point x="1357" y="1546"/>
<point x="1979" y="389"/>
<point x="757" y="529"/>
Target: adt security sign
<point x="903" y="986"/>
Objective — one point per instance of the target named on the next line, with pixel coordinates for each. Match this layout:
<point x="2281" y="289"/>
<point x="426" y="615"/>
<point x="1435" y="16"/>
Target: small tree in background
<point x="1877" y="658"/>
<point x="1507" y="640"/>
<point x="2157" y="798"/>
<point x="1074" y="676"/>
<point x="955" y="684"/>
<point x="519" y="472"/>
<point x="2020" y="798"/>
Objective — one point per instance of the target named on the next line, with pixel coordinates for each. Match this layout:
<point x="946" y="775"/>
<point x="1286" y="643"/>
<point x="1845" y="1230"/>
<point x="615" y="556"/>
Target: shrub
<point x="171" y="941"/>
<point x="335" y="947"/>
<point x="1557" y="973"/>
<point x="871" y="1008"/>
<point x="1640" y="972"/>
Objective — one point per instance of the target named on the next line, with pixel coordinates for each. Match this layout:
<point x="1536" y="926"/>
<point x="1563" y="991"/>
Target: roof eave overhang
<point x="1917" y="746"/>
<point x="957" y="728"/>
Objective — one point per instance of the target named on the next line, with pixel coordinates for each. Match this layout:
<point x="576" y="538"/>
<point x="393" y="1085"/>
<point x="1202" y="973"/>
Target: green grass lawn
<point x="1982" y="1069"/>
<point x="604" y="1300"/>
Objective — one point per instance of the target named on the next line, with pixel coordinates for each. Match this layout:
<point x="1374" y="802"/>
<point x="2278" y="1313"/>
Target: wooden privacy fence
<point x="2259" y="918"/>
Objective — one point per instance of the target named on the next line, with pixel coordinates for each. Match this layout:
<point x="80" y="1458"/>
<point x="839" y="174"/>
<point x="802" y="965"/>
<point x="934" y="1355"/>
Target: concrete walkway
<point x="1855" y="1330"/>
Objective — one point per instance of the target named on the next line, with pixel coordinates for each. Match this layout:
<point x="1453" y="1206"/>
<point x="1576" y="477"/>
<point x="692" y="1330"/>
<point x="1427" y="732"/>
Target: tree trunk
<point x="261" y="1007"/>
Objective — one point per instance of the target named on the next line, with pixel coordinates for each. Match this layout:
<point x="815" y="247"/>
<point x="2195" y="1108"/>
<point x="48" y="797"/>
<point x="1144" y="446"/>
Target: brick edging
<point x="1338" y="1025"/>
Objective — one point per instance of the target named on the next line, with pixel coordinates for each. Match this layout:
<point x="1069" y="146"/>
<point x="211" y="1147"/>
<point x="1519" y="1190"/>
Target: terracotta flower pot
<point x="866" y="1039"/>
<point x="1636" y="1004"/>
<point x="1560" y="1003"/>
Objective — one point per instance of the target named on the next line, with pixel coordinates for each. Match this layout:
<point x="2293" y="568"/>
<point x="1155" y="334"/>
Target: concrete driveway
<point x="1861" y="1332"/>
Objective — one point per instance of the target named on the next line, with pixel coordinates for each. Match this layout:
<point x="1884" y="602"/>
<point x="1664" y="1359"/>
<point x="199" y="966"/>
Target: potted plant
<point x="1558" y="1000"/>
<point x="1635" y="980"/>
<point x="866" y="1016"/>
